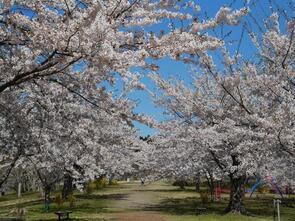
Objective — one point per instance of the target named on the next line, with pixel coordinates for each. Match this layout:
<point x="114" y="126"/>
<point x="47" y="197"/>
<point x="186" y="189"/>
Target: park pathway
<point x="137" y="199"/>
<point x="140" y="216"/>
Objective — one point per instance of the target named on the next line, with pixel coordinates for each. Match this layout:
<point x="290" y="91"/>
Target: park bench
<point x="201" y="210"/>
<point x="63" y="214"/>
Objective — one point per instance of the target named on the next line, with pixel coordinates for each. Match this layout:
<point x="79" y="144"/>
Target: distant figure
<point x="289" y="190"/>
<point x="142" y="181"/>
<point x="218" y="193"/>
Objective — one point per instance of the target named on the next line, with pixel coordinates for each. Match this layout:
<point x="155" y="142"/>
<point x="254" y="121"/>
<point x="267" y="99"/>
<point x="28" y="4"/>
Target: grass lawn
<point x="154" y="202"/>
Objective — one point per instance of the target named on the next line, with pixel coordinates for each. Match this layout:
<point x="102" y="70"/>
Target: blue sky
<point x="260" y="9"/>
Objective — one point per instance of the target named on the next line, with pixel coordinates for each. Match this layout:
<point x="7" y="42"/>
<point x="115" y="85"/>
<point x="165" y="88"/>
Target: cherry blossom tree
<point x="80" y="139"/>
<point x="42" y="41"/>
<point x="236" y="120"/>
<point x="15" y="135"/>
<point x="54" y="57"/>
<point x="44" y="38"/>
<point x="56" y="54"/>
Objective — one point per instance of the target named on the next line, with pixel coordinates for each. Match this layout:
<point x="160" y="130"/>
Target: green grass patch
<point x="161" y="198"/>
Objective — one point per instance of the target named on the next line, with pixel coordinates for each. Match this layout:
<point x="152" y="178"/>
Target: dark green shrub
<point x="204" y="197"/>
<point x="58" y="200"/>
<point x="90" y="187"/>
<point x="72" y="200"/>
<point x="100" y="183"/>
<point x="263" y="190"/>
<point x="114" y="183"/>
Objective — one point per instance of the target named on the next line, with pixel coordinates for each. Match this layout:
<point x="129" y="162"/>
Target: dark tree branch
<point x="289" y="49"/>
<point x="282" y="146"/>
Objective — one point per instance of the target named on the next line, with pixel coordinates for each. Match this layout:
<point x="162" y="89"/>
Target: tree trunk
<point x="67" y="187"/>
<point x="19" y="189"/>
<point x="182" y="184"/>
<point x="198" y="183"/>
<point x="47" y="191"/>
<point x="236" y="195"/>
<point x="41" y="190"/>
<point x="210" y="181"/>
<point x="111" y="179"/>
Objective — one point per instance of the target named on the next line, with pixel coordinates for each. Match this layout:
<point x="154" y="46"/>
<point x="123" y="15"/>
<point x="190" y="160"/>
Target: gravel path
<point x="135" y="201"/>
<point x="140" y="216"/>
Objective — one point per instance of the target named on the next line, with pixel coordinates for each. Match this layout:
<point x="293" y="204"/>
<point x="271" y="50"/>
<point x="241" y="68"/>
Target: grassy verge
<point x="158" y="199"/>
